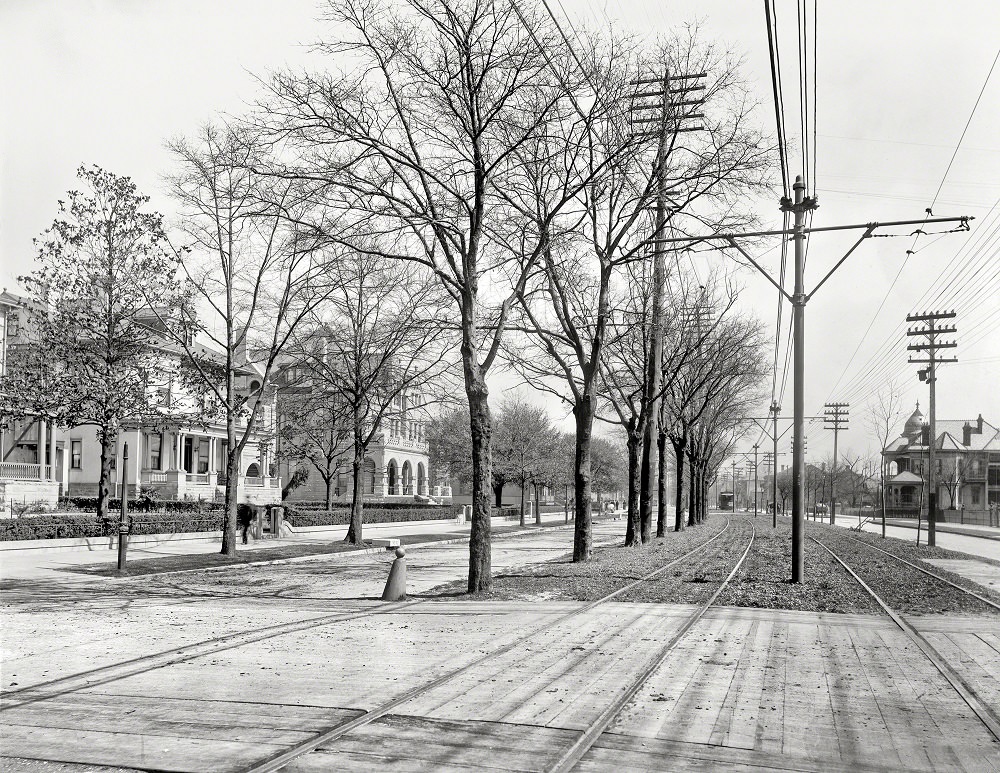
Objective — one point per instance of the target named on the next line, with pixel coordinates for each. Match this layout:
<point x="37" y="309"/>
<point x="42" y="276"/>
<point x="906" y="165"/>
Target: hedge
<point x="319" y="504"/>
<point x="372" y="514"/>
<point x="59" y="525"/>
<point x="144" y="504"/>
<point x="88" y="525"/>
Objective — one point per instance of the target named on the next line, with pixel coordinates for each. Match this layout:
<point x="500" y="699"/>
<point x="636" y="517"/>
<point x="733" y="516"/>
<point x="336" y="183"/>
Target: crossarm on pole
<point x="865" y="235"/>
<point x="756" y="265"/>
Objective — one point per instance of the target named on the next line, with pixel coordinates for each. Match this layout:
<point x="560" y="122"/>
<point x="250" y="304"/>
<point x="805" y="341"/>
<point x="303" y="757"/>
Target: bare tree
<point x="882" y="417"/>
<point x="375" y="346"/>
<point x="567" y="306"/>
<point x="418" y="142"/>
<point x="314" y="429"/>
<point x="247" y="269"/>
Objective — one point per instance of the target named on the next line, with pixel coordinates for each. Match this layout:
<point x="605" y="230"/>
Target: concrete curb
<point x="348" y="553"/>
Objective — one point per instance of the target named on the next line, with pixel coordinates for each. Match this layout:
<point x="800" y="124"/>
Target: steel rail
<point x="575" y="753"/>
<point x="81" y="680"/>
<point x="928" y="572"/>
<point x="968" y="694"/>
<point x="282" y="758"/>
<point x="135" y="666"/>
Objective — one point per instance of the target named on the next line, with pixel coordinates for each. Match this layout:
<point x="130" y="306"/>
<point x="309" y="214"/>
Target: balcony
<point x="25" y="471"/>
<point x="404" y="444"/>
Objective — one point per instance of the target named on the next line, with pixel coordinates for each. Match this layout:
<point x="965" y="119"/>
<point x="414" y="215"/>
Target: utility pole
<point x="836" y="419"/>
<point x="755" y="480"/>
<point x="798" y="208"/>
<point x="775" y="409"/>
<point x="931" y="346"/>
<point x="665" y="120"/>
<point x="734" y="485"/>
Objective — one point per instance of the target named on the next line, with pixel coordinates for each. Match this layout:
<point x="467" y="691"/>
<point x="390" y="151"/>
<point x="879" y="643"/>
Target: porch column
<point x="40" y="447"/>
<point x="52" y="452"/>
<point x="136" y="459"/>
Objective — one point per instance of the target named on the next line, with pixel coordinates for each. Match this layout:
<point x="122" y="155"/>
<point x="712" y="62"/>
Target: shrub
<point x="144" y="504"/>
<point x="373" y="514"/>
<point x="88" y="525"/>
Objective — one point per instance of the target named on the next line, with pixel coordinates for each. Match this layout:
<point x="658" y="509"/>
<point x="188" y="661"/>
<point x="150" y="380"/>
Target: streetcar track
<point x="576" y="752"/>
<point x="928" y="572"/>
<point x="55" y="688"/>
<point x="280" y="759"/>
<point x="979" y="707"/>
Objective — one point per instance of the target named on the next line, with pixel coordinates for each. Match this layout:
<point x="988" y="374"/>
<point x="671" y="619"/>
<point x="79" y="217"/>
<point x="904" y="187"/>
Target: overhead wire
<point x="928" y="213"/>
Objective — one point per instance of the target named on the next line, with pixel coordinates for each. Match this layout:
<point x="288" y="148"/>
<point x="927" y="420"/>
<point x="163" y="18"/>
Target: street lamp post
<point x="123" y="523"/>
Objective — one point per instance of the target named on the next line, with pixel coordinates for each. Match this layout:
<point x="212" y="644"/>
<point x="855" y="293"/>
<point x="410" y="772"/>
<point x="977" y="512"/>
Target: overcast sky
<point x="108" y="82"/>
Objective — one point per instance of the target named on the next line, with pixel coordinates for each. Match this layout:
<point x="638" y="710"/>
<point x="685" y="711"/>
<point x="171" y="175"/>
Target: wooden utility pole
<point x="755" y="446"/>
<point x="775" y="409"/>
<point x="665" y="123"/>
<point x="798" y="207"/>
<point x="835" y="418"/>
<point x="734" y="486"/>
<point x="931" y="346"/>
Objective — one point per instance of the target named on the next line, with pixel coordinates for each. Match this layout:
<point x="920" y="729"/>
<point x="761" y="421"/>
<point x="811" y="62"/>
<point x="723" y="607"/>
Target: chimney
<point x="925" y="434"/>
<point x="966" y="434"/>
<point x="979" y="424"/>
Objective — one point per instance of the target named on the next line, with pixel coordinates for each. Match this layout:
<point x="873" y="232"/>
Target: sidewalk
<point x="42" y="560"/>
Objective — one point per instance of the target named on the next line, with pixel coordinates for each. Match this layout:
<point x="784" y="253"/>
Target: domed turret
<point x="914" y="423"/>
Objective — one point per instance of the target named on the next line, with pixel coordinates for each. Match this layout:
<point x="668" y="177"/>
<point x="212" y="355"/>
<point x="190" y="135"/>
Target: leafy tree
<point x="522" y="443"/>
<point x="89" y="360"/>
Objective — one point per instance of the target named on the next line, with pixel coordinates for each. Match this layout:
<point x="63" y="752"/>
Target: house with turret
<point x="967" y="468"/>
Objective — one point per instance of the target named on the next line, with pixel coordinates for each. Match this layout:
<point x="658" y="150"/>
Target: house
<point x="967" y="462"/>
<point x="396" y="466"/>
<point x="178" y="453"/>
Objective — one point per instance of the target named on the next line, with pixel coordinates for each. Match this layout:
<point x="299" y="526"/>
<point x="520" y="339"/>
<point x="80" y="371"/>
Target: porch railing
<point x="25" y="471"/>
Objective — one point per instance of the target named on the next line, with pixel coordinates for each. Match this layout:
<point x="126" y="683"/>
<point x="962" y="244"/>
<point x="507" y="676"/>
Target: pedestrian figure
<point x="243" y="518"/>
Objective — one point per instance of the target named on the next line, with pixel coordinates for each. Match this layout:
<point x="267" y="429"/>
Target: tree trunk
<point x="679" y="454"/>
<point x="480" y="559"/>
<point x="328" y="501"/>
<point x="693" y="487"/>
<point x="661" y="499"/>
<point x="498" y="494"/>
<point x="354" y="531"/>
<point x="104" y="479"/>
<point x="647" y="484"/>
<point x="232" y="491"/>
<point x="524" y="484"/>
<point x="538" y="512"/>
<point x="582" y="537"/>
<point x="703" y="504"/>
<point x="633" y="528"/>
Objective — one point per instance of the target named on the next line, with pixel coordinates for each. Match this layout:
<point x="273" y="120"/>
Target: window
<point x="76" y="454"/>
<point x="975" y="495"/>
<point x="154" y="443"/>
<point x="202" y="456"/>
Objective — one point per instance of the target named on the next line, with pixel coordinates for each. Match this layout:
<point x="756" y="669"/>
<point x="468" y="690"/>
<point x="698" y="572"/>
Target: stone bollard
<point x="395" y="586"/>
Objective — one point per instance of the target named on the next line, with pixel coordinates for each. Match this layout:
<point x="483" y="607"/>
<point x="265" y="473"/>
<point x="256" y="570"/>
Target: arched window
<point x="253" y="471"/>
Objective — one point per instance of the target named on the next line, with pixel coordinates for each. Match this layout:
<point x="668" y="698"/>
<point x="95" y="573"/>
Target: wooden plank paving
<point x="410" y="743"/>
<point x="744" y="690"/>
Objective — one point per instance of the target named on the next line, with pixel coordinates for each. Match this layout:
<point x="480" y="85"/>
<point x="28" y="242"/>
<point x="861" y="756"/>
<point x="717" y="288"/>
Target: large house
<point x="177" y="455"/>
<point x="396" y="466"/>
<point x="967" y="462"/>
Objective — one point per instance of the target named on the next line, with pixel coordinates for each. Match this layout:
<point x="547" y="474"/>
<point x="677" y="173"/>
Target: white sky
<point x="108" y="82"/>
